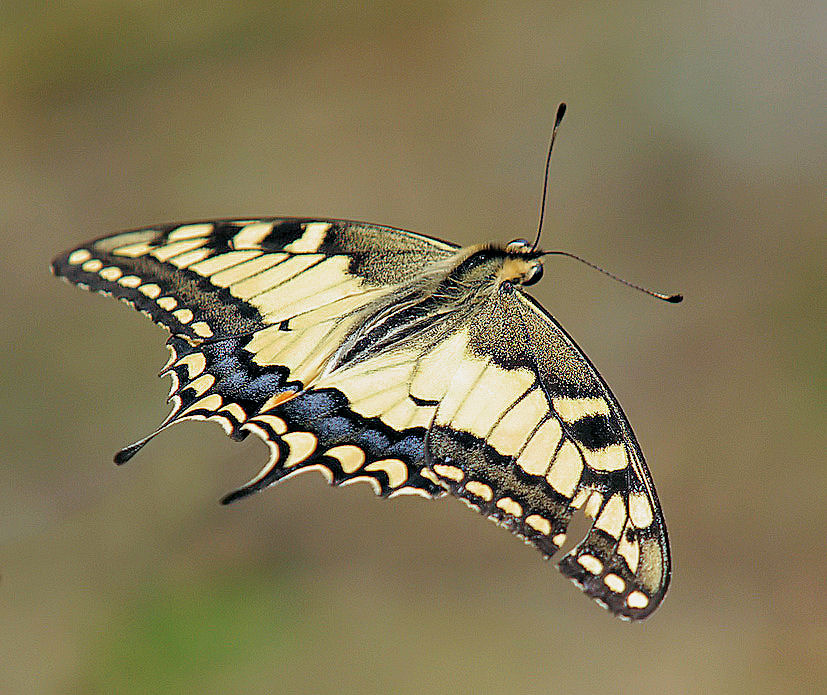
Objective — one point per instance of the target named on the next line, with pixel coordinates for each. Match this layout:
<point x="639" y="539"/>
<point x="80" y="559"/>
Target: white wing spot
<point x="302" y="445"/>
<point x="481" y="490"/>
<point x="92" y="266"/>
<point x="202" y="329"/>
<point x="637" y="599"/>
<point x="151" y="290"/>
<point x="539" y="523"/>
<point x="79" y="256"/>
<point x="183" y="315"/>
<point x="168" y="251"/>
<point x="510" y="506"/>
<point x="615" y="583"/>
<point x="210" y="403"/>
<point x="236" y="411"/>
<point x="130" y="281"/>
<point x="190" y="257"/>
<point x="202" y="384"/>
<point x="534" y="457"/>
<point x="217" y="264"/>
<point x="428" y="474"/>
<point x="395" y="469"/>
<point x="590" y="563"/>
<point x="450" y="472"/>
<point x="349" y="456"/>
<point x="111" y="273"/>
<point x="167" y="303"/>
<point x="410" y="491"/>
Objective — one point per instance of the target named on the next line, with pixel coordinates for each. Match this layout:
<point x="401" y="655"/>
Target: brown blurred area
<point x="692" y="159"/>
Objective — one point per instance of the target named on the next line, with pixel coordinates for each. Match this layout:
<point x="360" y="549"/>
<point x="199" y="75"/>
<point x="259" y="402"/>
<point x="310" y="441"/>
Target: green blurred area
<point x="692" y="159"/>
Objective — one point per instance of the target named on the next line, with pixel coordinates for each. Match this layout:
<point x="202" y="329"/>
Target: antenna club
<point x="675" y="298"/>
<point x="561" y="111"/>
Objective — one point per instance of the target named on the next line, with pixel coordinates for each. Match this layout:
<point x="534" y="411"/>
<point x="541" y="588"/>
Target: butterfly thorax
<point x="435" y="302"/>
<point x="496" y="267"/>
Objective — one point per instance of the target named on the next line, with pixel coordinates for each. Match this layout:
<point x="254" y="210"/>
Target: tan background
<point x="692" y="159"/>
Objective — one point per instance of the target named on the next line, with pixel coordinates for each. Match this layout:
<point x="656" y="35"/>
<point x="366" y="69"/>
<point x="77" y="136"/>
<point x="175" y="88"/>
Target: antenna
<point x="671" y="298"/>
<point x="561" y="111"/>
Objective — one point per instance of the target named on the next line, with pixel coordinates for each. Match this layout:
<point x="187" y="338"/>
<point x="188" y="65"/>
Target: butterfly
<point x="374" y="354"/>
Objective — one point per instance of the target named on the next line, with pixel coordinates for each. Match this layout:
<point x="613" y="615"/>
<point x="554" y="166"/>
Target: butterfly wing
<point x="256" y="309"/>
<point x="528" y="433"/>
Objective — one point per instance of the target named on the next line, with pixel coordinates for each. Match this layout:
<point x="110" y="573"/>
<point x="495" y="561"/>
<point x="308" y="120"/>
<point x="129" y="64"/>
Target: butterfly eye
<point x="534" y="274"/>
<point x="518" y="246"/>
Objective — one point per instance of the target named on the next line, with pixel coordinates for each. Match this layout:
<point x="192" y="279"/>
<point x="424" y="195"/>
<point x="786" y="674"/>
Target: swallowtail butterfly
<point x="374" y="354"/>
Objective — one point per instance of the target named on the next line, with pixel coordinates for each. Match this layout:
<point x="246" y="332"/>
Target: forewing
<point x="528" y="433"/>
<point x="256" y="309"/>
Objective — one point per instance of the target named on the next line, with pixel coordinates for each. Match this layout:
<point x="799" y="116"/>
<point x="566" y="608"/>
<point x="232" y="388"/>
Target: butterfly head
<point x="522" y="265"/>
<point x="486" y="266"/>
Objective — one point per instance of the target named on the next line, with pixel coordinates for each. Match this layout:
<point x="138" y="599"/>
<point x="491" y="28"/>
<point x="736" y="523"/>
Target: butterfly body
<point x="374" y="354"/>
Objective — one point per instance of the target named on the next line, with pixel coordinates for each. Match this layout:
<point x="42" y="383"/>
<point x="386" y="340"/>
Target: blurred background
<point x="692" y="159"/>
